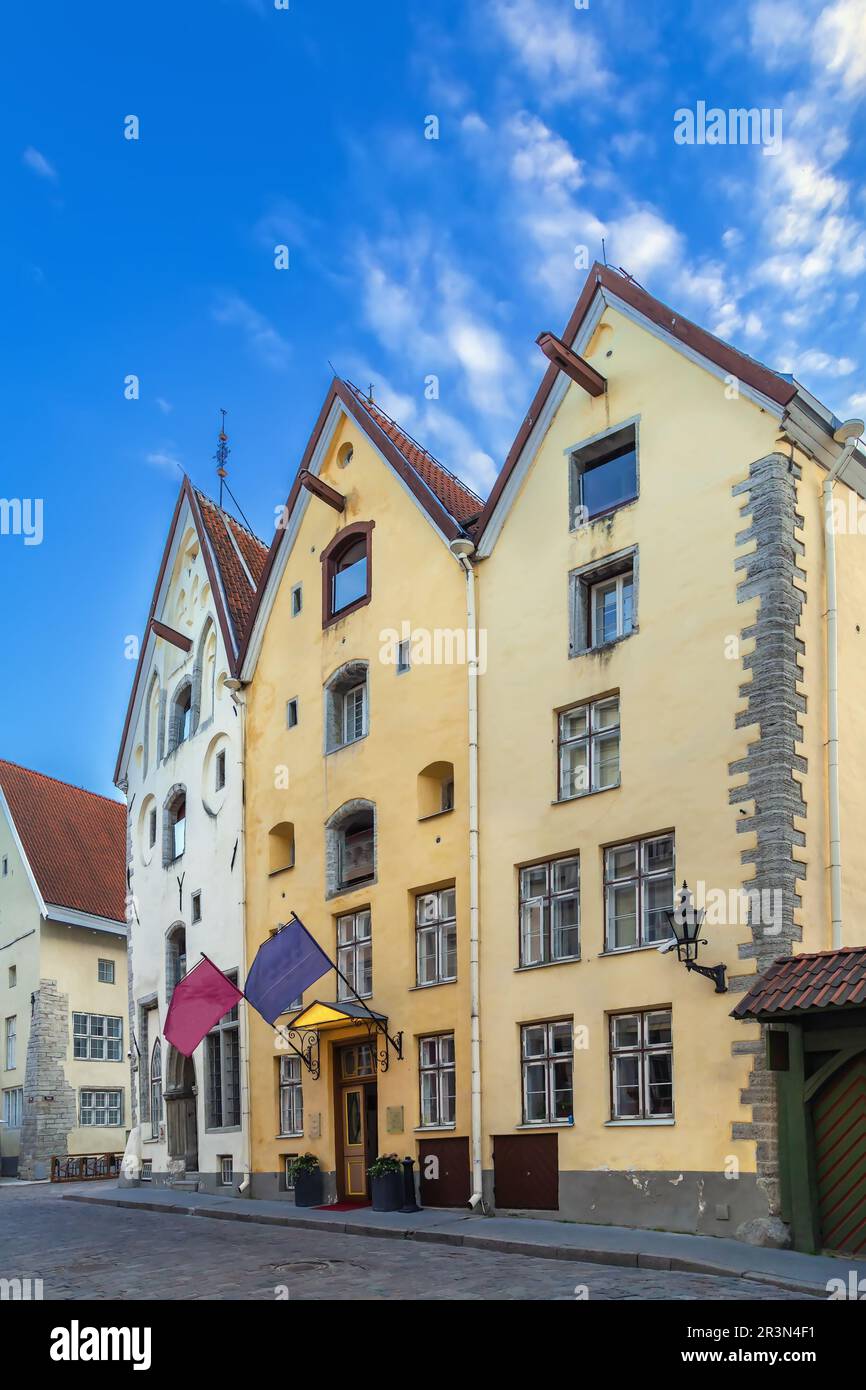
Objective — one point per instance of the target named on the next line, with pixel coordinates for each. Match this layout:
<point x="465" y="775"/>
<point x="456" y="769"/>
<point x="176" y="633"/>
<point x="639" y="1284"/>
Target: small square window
<point x="404" y="663"/>
<point x="220" y="769"/>
<point x="297" y="599"/>
<point x="603" y="476"/>
<point x="603" y="602"/>
<point x="147" y="1170"/>
<point x="13" y="976"/>
<point x="291" y="713"/>
<point x="196" y="907"/>
<point x="105" y="970"/>
<point x="226" y="1170"/>
<point x="5" y="867"/>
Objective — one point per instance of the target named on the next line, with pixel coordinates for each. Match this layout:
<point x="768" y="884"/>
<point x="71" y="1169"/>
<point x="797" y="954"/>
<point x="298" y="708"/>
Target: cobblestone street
<point x="84" y="1252"/>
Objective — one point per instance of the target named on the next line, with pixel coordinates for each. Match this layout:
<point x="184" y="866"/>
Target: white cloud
<point x="36" y="161"/>
<point x="165" y="460"/>
<point x="165" y="406"/>
<point x="643" y="243"/>
<point x="554" y="44"/>
<point x="542" y="156"/>
<point x="840" y="44"/>
<point x="732" y="238"/>
<point x="261" y="337"/>
<point x="816" y="363"/>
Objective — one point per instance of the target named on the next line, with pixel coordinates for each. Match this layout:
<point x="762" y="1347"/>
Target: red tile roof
<point x="826" y="979"/>
<point x="227" y="536"/>
<point x="457" y="499"/>
<point x="75" y="841"/>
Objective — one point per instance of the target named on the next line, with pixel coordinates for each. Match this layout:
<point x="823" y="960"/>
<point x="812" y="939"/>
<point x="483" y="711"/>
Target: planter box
<point x="309" y="1189"/>
<point x="387" y="1192"/>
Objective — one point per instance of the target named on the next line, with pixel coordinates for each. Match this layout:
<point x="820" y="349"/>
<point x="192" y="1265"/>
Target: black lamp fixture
<point x="686" y="922"/>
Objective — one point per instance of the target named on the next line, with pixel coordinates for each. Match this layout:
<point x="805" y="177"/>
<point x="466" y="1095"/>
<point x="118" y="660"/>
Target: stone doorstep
<point x="673" y="1264"/>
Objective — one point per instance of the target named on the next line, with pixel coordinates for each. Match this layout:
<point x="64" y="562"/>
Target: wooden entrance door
<point x="355" y="1101"/>
<point x="839" y="1126"/>
<point x="526" y="1172"/>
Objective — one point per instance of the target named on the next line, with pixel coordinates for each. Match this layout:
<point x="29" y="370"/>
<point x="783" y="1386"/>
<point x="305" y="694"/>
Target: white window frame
<point x="618" y="582"/>
<point x="154" y="1081"/>
<point x="105" y="971"/>
<point x="540" y="908"/>
<point x="352" y="726"/>
<point x="92" y="1101"/>
<point x="99" y="1040"/>
<point x="644" y="1051"/>
<point x="13" y="1107"/>
<point x="291" y="1097"/>
<point x="297" y="600"/>
<point x="437" y="1064"/>
<point x="595" y="736"/>
<point x="404" y="656"/>
<point x="355" y="953"/>
<point x="11" y="1037"/>
<point x="641" y="877"/>
<point x="549" y="1058"/>
<point x="227" y="1174"/>
<point x="436" y="919"/>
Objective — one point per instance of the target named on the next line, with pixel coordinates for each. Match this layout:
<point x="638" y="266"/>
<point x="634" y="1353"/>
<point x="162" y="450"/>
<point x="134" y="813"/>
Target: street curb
<point x="580" y="1254"/>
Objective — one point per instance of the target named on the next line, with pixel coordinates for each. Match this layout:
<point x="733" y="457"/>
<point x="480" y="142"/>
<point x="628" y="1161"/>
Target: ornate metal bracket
<point x="384" y="1042"/>
<point x="716" y="973"/>
<point x="304" y="1042"/>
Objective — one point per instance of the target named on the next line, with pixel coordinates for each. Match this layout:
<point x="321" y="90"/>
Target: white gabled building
<point x="181" y="768"/>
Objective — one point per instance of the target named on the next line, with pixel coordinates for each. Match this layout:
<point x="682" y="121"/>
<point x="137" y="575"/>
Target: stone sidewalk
<point x="611" y="1245"/>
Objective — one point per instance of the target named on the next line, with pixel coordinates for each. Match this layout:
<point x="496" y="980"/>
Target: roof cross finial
<point x="222" y="454"/>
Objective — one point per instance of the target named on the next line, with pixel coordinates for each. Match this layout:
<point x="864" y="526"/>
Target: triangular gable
<point x="605" y="288"/>
<point x="234" y="560"/>
<point x="446" y="501"/>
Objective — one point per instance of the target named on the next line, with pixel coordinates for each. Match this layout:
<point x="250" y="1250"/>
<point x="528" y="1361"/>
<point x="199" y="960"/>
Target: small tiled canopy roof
<point x="457" y="499"/>
<point x="74" y="840"/>
<point x="795" y="984"/>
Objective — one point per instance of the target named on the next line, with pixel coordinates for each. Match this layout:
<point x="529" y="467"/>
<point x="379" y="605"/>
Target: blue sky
<point x="408" y="256"/>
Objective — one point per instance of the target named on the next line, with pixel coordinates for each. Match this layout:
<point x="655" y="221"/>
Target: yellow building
<point x="357" y="793"/>
<point x="655" y="709"/>
<point x="64" y="1069"/>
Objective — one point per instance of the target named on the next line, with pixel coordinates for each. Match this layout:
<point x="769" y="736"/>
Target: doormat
<point x="343" y="1206"/>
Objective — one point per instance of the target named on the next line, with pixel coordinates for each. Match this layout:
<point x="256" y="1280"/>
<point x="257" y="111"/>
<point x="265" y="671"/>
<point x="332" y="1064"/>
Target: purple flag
<point x="285" y="965"/>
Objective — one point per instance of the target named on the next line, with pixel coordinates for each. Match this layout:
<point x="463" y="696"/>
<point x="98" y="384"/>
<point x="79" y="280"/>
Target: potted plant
<point x="386" y="1181"/>
<point x="304" y="1174"/>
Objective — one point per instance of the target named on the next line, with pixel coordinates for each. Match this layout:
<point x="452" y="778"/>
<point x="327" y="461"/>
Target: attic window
<point x="603" y="476"/>
<point x="346" y="572"/>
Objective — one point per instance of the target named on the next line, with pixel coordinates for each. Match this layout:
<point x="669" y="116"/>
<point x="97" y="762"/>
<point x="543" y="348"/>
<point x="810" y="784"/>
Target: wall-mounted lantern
<point x="686" y="923"/>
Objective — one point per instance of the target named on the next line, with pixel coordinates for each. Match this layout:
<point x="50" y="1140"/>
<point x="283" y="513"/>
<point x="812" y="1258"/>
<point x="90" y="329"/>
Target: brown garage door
<point x="444" y="1165"/>
<point x="526" y="1171"/>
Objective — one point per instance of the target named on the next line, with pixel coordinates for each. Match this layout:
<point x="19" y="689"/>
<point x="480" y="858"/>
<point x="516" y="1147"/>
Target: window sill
<point x="332" y="618"/>
<point x="630" y="950"/>
<point x="299" y="1134"/>
<point x="547" y="1124"/>
<point x="432" y="1129"/>
<point x="603" y="646"/>
<point x="433" y="984"/>
<point x="603" y="516"/>
<point x="434" y="815"/>
<point x="222" y="1129"/>
<point x="546" y="964"/>
<point x="340" y="747"/>
<point x="582" y="796"/>
<point x="275" y="873"/>
<point x="638" y="1124"/>
<point x="345" y="890"/>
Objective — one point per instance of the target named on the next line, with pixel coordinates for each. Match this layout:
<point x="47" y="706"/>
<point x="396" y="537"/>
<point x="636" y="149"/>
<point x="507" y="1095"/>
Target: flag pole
<point x="398" y="1047"/>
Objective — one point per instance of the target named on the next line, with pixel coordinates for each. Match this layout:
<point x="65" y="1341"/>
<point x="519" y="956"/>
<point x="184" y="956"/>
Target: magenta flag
<point x="198" y="1002"/>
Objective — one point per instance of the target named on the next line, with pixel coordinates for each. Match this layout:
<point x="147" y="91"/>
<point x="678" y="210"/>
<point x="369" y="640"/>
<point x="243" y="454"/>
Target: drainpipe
<point x="235" y="688"/>
<point x="462" y="549"/>
<point x="846" y="435"/>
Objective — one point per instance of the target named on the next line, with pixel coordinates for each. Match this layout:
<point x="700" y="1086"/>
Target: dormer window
<point x="346" y="576"/>
<point x="603" y="475"/>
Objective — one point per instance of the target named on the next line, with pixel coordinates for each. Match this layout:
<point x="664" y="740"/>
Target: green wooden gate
<point x="839" y="1129"/>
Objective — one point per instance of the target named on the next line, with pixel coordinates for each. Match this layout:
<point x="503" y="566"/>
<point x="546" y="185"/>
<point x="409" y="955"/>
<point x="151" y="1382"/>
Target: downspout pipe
<point x="235" y="689"/>
<point x="847" y="435"/>
<point x="462" y="548"/>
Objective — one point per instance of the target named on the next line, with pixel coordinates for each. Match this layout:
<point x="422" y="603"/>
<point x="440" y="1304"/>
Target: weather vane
<point x="222" y="455"/>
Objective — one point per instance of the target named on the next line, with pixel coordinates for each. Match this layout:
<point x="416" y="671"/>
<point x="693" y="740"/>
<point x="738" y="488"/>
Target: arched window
<point x="155" y="1089"/>
<point x="281" y="847"/>
<point x="346" y="705"/>
<point x="151" y="745"/>
<point x="350" y="847"/>
<point x="204" y="677"/>
<point x="180" y="726"/>
<point x="435" y="789"/>
<point x="175" y="958"/>
<point x="174" y="832"/>
<point x="347" y="571"/>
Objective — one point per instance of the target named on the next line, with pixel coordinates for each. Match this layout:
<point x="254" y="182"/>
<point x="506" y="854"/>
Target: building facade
<point x="652" y="586"/>
<point x="63" y="974"/>
<point x="181" y="768"/>
<point x="357" y="811"/>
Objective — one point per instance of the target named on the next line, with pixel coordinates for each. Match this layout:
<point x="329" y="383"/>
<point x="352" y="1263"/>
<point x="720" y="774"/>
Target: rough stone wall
<point x="774" y="705"/>
<point x="49" y="1100"/>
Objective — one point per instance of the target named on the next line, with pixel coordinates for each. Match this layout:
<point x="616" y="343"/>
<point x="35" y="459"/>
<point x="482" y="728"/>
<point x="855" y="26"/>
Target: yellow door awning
<point x="320" y="1016"/>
